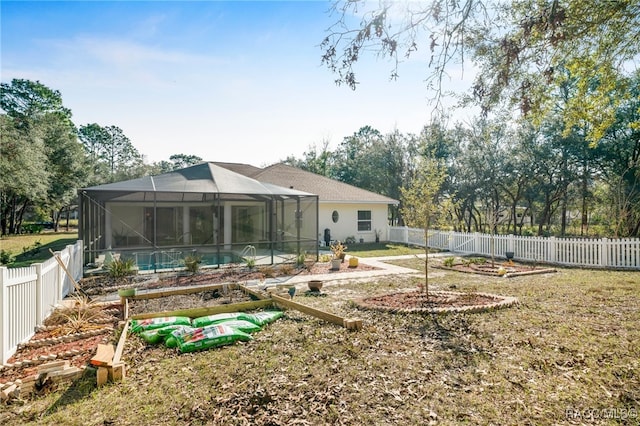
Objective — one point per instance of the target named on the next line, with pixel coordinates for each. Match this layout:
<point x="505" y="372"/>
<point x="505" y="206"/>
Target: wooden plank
<point x="117" y="372"/>
<point x="353" y="324"/>
<point x="53" y="366"/>
<point x="102" y="375"/>
<point x="260" y="295"/>
<point x="210" y="310"/>
<point x="308" y="310"/>
<point x="125" y="307"/>
<point x="103" y="356"/>
<point x="181" y="291"/>
<point x="123" y="337"/>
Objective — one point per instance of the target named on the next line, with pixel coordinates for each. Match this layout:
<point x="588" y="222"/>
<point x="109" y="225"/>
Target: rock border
<point x="501" y="302"/>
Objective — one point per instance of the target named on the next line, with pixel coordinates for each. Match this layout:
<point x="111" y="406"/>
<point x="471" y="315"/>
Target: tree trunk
<point x="426" y="258"/>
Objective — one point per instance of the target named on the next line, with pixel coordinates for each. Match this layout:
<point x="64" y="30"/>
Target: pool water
<point x="153" y="261"/>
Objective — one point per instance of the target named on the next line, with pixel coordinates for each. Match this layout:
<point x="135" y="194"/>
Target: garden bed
<point x="484" y="266"/>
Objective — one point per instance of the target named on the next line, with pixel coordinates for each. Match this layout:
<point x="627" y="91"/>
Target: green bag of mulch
<point x="151" y="336"/>
<point x="138" y="326"/>
<point x="170" y="339"/>
<point x="242" y="325"/>
<point x="262" y="318"/>
<point x="210" y="336"/>
<point x="218" y="318"/>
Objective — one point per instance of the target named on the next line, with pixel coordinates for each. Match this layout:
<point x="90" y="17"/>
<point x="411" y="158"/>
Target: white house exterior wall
<point x="347" y="225"/>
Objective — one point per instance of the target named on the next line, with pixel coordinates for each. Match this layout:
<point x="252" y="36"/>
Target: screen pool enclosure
<point x="204" y="210"/>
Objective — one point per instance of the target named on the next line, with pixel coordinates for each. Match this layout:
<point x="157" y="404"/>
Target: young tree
<point x="422" y="203"/>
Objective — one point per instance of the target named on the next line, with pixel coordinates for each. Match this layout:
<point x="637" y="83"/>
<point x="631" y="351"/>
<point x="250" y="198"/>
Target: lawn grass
<point x="381" y="249"/>
<point x="23" y="247"/>
<point x="571" y="344"/>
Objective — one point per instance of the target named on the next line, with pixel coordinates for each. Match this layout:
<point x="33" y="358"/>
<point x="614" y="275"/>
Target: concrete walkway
<point x="383" y="269"/>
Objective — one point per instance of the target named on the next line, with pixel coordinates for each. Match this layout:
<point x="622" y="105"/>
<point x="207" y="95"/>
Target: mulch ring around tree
<point x="498" y="269"/>
<point x="436" y="302"/>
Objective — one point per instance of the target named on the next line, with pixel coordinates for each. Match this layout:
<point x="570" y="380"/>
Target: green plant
<point x="121" y="268"/>
<point x="6" y="257"/>
<point x="192" y="263"/>
<point x="350" y="240"/>
<point x="338" y="249"/>
<point x="33" y="249"/>
<point x="76" y="318"/>
<point x="301" y="258"/>
<point x="324" y="258"/>
<point x="250" y="262"/>
<point x="448" y="262"/>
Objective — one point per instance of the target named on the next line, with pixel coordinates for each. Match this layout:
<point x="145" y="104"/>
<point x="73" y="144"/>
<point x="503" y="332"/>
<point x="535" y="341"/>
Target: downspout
<point x="219" y="228"/>
<point x="317" y="226"/>
<point x="298" y="223"/>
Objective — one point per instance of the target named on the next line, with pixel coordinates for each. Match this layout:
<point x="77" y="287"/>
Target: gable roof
<point x="207" y="178"/>
<point x="327" y="189"/>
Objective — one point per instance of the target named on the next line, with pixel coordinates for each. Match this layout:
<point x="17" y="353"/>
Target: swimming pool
<point x="173" y="259"/>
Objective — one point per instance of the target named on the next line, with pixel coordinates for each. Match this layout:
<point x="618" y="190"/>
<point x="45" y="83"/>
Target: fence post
<point x="39" y="318"/>
<point x="405" y="235"/>
<point x="4" y="315"/>
<point x="477" y="243"/>
<point x="451" y="243"/>
<point x="59" y="278"/>
<point x="604" y="252"/>
<point x="510" y="243"/>
<point x="552" y="249"/>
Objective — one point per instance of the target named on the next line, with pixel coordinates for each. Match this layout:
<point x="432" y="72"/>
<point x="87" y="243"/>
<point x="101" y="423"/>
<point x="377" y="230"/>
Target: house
<point x="206" y="210"/>
<point x="344" y="211"/>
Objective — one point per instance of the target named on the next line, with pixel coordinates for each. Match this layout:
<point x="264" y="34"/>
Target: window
<point x="335" y="216"/>
<point x="364" y="220"/>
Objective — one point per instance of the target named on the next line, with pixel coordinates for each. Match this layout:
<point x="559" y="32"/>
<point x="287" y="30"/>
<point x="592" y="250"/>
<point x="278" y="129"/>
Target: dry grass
<point x="571" y="344"/>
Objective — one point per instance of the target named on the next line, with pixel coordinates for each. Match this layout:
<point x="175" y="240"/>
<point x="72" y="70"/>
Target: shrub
<point x="121" y="268"/>
<point x="338" y="250"/>
<point x="6" y="257"/>
<point x="324" y="258"/>
<point x="448" y="262"/>
<point x="350" y="240"/>
<point x="192" y="263"/>
<point x="77" y="318"/>
<point x="250" y="262"/>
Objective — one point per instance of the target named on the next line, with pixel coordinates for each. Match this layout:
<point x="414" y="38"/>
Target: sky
<point x="227" y="81"/>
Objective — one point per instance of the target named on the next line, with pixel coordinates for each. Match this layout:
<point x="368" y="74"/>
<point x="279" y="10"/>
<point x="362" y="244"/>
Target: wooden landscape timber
<point x="108" y="360"/>
<point x="182" y="291"/>
<point x="348" y="323"/>
<point x="265" y="300"/>
<point x="210" y="310"/>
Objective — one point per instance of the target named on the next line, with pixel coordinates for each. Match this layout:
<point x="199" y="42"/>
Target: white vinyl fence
<point x="29" y="295"/>
<point x="621" y="253"/>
